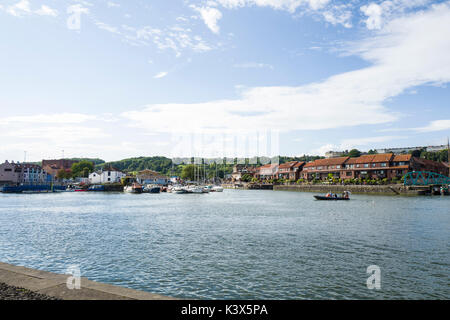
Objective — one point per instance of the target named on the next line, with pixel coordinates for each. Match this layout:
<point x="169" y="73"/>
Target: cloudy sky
<point x="116" y="79"/>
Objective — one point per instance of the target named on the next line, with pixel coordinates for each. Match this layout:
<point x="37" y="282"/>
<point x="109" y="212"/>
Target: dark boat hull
<point x="330" y="198"/>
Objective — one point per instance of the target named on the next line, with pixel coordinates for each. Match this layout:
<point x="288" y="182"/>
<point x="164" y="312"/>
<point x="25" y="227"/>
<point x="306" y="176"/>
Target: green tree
<point x="64" y="174"/>
<point x="82" y="169"/>
<point x="354" y="153"/>
<point x="192" y="172"/>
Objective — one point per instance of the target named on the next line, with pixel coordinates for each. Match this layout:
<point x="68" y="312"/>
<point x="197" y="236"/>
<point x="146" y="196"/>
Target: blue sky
<point x="116" y="79"/>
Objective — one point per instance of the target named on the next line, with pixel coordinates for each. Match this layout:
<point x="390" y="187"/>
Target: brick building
<point x="240" y="169"/>
<point x="53" y="166"/>
<point x="22" y="173"/>
<point x="377" y="166"/>
<point x="290" y="170"/>
<point x="267" y="172"/>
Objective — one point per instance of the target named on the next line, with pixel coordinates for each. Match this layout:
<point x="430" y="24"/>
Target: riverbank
<point x="20" y="283"/>
<point x="356" y="189"/>
<point x="395" y="189"/>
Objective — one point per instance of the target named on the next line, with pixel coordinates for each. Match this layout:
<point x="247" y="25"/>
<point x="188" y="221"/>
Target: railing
<point x="425" y="178"/>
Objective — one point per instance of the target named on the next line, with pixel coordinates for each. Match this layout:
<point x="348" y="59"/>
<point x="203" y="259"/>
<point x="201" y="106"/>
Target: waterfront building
<point x="377" y="166"/>
<point x="107" y="175"/>
<point x="321" y="168"/>
<point x="53" y="166"/>
<point x="290" y="170"/>
<point x="266" y="172"/>
<point x="334" y="154"/>
<point x="151" y="177"/>
<point x="23" y="173"/>
<point x="240" y="169"/>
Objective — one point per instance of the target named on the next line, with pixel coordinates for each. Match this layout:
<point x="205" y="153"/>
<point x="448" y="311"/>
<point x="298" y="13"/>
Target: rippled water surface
<point x="236" y="244"/>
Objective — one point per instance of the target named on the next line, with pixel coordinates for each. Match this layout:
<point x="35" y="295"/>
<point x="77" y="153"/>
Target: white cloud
<point x="23" y="8"/>
<point x="47" y="11"/>
<point x="210" y="16"/>
<point x="374" y="13"/>
<point x="348" y="144"/>
<point x="19" y="9"/>
<point x="107" y="27"/>
<point x="378" y="13"/>
<point x="161" y="75"/>
<point x="61" y="118"/>
<point x="113" y="4"/>
<point x="256" y="65"/>
<point x="288" y="5"/>
<point x="407" y="52"/>
<point x="437" y="125"/>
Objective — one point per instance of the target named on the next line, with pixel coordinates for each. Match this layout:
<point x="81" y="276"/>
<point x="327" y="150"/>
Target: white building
<point x="108" y="175"/>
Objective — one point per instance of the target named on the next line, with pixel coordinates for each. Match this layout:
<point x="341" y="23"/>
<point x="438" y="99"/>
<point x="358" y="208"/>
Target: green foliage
<point x="440" y="156"/>
<point x="372" y="151"/>
<point x="82" y="169"/>
<point x="246" y="177"/>
<point x="192" y="172"/>
<point x="64" y="174"/>
<point x="95" y="161"/>
<point x="354" y="153"/>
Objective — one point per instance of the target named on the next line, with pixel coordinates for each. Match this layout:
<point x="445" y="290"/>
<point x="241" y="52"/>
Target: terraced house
<point x="290" y="170"/>
<point x="321" y="168"/>
<point x="377" y="166"/>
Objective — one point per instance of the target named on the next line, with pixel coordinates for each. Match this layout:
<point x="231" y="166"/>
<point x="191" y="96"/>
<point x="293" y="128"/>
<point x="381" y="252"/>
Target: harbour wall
<point x="396" y="189"/>
<point x="357" y="189"/>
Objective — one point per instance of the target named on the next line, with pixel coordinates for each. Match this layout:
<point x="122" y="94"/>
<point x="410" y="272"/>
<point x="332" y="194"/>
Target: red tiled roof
<point x="287" y="165"/>
<point x="299" y="164"/>
<point x="371" y="158"/>
<point x="327" y="162"/>
<point x="429" y="162"/>
<point x="402" y="158"/>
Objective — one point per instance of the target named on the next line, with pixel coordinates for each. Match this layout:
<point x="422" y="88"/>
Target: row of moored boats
<point x="176" y="189"/>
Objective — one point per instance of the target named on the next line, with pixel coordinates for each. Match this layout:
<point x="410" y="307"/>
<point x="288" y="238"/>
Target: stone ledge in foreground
<point x="54" y="285"/>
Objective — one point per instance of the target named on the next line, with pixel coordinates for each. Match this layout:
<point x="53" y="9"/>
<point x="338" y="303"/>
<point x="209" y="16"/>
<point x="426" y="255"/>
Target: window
<point x="338" y="167"/>
<point x="366" y="165"/>
<point x="384" y="165"/>
<point x="374" y="165"/>
<point x="357" y="165"/>
<point x="8" y="170"/>
<point x="349" y="173"/>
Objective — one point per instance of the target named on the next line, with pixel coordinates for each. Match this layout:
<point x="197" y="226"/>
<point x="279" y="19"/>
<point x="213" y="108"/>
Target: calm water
<point x="236" y="244"/>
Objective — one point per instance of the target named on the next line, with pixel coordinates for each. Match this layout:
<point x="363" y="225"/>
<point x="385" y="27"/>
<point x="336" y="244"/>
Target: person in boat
<point x="328" y="195"/>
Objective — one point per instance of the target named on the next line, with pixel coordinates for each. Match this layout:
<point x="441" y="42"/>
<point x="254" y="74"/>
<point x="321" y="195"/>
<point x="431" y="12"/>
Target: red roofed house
<point x="375" y="166"/>
<point x="266" y="172"/>
<point x="290" y="170"/>
<point x="322" y="167"/>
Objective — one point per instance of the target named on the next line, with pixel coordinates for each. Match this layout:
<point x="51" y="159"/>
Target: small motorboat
<point x="152" y="189"/>
<point x="334" y="197"/>
<point x="330" y="198"/>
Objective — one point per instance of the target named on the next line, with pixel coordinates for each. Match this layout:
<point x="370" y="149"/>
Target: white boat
<point x="194" y="189"/>
<point x="178" y="190"/>
<point x="217" y="189"/>
<point x="134" y="188"/>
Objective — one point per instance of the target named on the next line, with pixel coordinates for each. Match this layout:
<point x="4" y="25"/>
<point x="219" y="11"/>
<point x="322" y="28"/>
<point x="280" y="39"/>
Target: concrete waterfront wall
<point x="55" y="285"/>
<point x="357" y="189"/>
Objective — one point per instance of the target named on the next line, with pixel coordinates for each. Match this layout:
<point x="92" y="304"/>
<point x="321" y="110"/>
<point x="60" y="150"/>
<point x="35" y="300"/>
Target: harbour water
<point x="239" y="244"/>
